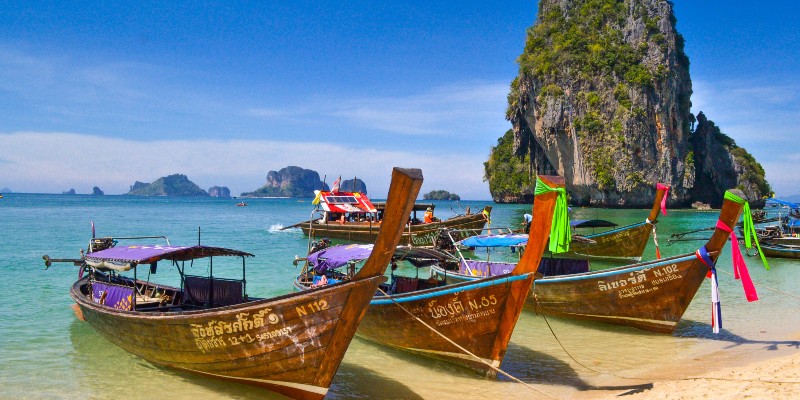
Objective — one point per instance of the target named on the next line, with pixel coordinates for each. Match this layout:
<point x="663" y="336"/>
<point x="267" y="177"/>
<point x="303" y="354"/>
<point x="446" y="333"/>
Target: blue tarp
<point x="508" y="240"/>
<point x="777" y="202"/>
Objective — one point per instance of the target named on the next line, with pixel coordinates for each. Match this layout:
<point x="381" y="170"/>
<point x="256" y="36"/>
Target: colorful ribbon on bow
<point x="739" y="267"/>
<point x="748" y="226"/>
<point x="716" y="305"/>
<point x="560" y="231"/>
<point x="665" y="188"/>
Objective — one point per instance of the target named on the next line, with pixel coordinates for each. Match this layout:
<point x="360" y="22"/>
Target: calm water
<point x="46" y="353"/>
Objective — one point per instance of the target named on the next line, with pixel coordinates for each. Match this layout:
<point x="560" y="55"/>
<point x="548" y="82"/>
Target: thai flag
<point x="716" y="309"/>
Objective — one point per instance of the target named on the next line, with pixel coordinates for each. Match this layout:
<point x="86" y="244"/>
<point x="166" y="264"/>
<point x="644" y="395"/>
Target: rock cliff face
<point x="289" y="182"/>
<point x="219" y="191"/>
<point x="603" y="99"/>
<point x="172" y="185"/>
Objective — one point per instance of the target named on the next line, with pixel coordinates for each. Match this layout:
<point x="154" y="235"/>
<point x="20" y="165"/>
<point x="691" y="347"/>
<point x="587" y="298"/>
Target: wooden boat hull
<point x="651" y="296"/>
<point x="416" y="235"/>
<point x="780" y="251"/>
<point x="479" y="316"/>
<point x="292" y="344"/>
<point x="625" y="243"/>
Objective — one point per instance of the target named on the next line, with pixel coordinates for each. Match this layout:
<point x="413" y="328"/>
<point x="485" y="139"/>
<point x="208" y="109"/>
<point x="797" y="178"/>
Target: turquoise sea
<point x="46" y="353"/>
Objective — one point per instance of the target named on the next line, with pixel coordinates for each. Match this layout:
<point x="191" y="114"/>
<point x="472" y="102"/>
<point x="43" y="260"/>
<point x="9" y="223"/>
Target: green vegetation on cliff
<point x="440" y="195"/>
<point x="172" y="185"/>
<point x="507" y="174"/>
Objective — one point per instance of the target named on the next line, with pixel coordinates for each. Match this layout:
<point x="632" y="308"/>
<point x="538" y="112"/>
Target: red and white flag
<point x="336" y="183"/>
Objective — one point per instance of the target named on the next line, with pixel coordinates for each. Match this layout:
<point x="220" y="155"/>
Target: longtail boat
<point x="771" y="249"/>
<point x="651" y="296"/>
<point x="291" y="344"/>
<point x="781" y="240"/>
<point x="474" y="320"/>
<point x="352" y="216"/>
<point x="623" y="243"/>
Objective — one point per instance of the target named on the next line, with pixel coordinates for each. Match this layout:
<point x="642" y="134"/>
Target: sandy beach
<point x="773" y="378"/>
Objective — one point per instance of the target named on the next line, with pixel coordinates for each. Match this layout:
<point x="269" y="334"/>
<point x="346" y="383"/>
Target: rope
<point x="770" y="288"/>
<point x="644" y="379"/>
<point x="463" y="349"/>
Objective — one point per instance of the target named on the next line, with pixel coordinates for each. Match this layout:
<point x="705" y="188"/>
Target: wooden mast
<point x="405" y="188"/>
<point x="657" y="204"/>
<point x="539" y="233"/>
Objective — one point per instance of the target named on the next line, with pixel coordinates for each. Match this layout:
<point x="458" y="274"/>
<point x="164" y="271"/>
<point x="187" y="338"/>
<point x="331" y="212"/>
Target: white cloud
<point x="54" y="162"/>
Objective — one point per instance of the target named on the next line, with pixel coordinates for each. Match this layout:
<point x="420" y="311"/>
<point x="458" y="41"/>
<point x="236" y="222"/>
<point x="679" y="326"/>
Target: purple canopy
<point x="337" y="256"/>
<point x="125" y="257"/>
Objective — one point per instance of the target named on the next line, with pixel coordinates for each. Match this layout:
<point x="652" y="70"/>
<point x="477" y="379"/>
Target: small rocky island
<point x="289" y="182"/>
<point x="172" y="185"/>
<point x="70" y="192"/>
<point x="440" y="195"/>
<point x="97" y="192"/>
<point x="219" y="191"/>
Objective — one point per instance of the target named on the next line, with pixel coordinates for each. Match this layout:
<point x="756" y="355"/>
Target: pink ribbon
<point x="663" y="199"/>
<point x="739" y="267"/>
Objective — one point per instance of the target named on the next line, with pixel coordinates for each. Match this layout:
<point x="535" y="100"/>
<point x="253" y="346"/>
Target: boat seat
<point x="403" y="284"/>
<point x="212" y="292"/>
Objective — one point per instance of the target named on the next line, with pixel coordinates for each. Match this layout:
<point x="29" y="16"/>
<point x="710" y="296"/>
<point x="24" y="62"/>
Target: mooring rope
<point x="614" y="374"/>
<point x="769" y="288"/>
<point x="463" y="349"/>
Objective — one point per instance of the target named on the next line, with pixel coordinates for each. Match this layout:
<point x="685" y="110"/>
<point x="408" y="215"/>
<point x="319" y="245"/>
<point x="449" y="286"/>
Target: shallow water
<point x="46" y="353"/>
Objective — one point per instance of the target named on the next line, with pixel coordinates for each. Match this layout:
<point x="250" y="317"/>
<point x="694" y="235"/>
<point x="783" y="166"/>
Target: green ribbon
<point x="748" y="226"/>
<point x="560" y="231"/>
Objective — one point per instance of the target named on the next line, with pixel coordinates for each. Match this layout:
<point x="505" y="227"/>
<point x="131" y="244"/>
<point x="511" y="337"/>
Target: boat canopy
<point x="591" y="223"/>
<point x="123" y="258"/>
<point x="506" y="240"/>
<point x="777" y="203"/>
<point x="341" y="255"/>
<point x="346" y="202"/>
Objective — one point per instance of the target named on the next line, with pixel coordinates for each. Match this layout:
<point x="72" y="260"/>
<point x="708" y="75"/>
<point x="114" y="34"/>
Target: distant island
<point x="71" y="191"/>
<point x="5" y="190"/>
<point x="440" y="195"/>
<point x="353" y="185"/>
<point x="172" y="185"/>
<point x="219" y="191"/>
<point x="290" y="182"/>
<point x="97" y="192"/>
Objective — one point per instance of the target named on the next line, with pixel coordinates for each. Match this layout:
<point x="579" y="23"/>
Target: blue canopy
<point x="507" y="240"/>
<point x="777" y="202"/>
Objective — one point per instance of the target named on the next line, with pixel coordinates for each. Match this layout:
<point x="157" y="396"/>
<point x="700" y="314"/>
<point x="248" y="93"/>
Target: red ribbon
<point x="739" y="267"/>
<point x="663" y="199"/>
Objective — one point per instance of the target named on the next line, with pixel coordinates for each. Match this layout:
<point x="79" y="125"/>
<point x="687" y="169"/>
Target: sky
<point x="97" y="93"/>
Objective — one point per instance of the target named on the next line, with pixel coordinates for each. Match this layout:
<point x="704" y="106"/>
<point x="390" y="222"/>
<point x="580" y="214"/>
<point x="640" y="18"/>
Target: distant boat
<point x="352" y="216"/>
<point x="241" y="204"/>
<point x="781" y="240"/>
